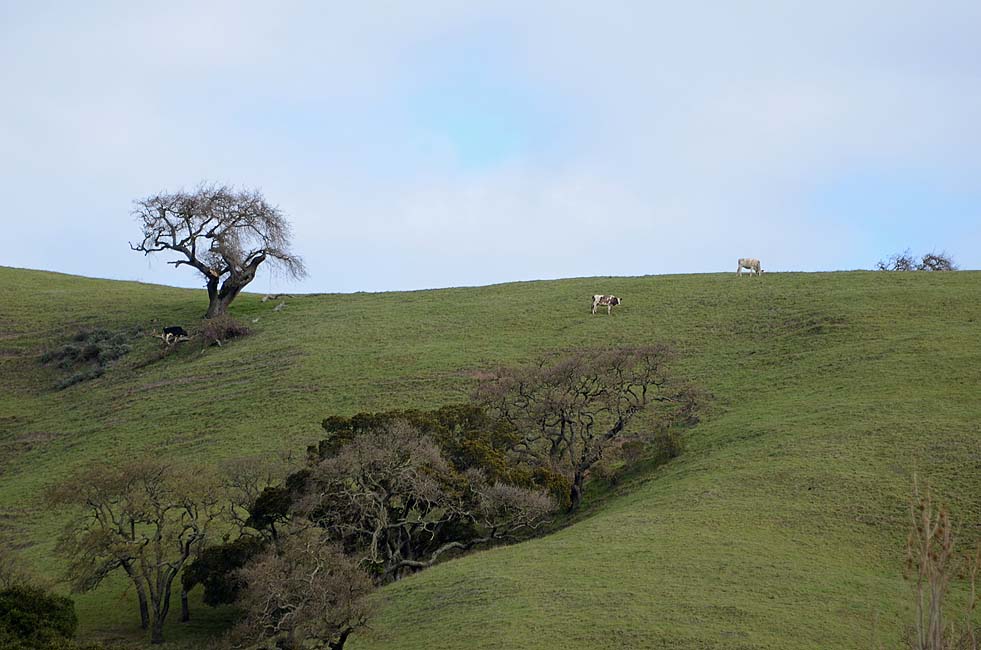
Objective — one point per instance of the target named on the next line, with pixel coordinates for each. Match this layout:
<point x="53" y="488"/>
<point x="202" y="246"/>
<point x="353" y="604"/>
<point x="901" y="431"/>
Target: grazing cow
<point x="173" y="334"/>
<point x="609" y="302"/>
<point x="748" y="263"/>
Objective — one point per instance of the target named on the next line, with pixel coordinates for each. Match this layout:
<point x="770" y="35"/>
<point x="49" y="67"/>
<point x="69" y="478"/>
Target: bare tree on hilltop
<point x="223" y="233"/>
<point x="906" y="261"/>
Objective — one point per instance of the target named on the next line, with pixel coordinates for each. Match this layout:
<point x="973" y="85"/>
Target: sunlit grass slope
<point x="781" y="526"/>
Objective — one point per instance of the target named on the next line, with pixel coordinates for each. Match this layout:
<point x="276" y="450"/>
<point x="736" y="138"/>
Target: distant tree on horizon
<point x="905" y="261"/>
<point x="223" y="233"/>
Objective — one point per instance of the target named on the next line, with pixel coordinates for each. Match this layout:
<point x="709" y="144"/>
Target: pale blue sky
<point x="433" y="144"/>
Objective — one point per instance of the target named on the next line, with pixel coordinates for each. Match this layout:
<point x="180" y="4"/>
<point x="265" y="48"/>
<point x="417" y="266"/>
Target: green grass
<point x="781" y="526"/>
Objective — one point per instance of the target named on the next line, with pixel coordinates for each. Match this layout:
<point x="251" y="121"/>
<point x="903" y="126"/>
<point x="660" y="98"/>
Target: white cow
<point x="749" y="263"/>
<point x="599" y="300"/>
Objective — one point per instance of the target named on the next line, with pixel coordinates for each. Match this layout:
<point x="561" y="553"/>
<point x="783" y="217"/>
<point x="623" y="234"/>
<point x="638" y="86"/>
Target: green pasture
<point x="782" y="525"/>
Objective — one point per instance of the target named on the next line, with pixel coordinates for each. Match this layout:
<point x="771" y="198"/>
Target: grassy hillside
<point x="781" y="526"/>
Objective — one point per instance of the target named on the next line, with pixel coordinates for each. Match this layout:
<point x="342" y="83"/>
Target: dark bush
<point x="217" y="568"/>
<point x="271" y="507"/>
<point x="34" y="618"/>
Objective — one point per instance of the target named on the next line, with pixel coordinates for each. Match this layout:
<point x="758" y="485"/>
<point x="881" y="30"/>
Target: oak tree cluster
<point x="299" y="546"/>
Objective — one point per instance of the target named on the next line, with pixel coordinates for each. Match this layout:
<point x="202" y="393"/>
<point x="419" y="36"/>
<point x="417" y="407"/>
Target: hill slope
<point x="781" y="526"/>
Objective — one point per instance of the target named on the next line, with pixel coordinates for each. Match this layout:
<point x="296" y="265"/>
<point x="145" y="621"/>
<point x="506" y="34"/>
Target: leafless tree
<point x="905" y="261"/>
<point x="937" y="262"/>
<point x="223" y="233"/>
<point x="899" y="262"/>
<point x="568" y="408"/>
<point x="307" y="589"/>
<point x="392" y="498"/>
<point x="145" y="518"/>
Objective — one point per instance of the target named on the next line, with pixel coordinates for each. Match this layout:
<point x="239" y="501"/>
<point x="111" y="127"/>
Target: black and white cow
<point x="609" y="302"/>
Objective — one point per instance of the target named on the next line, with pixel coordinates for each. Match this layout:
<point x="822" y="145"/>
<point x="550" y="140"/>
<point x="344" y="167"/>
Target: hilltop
<point x="781" y="525"/>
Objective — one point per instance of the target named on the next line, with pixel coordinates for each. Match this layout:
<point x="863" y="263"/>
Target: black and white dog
<point x="173" y="334"/>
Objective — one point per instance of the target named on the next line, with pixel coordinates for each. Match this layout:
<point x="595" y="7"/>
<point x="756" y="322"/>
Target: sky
<point x="430" y="144"/>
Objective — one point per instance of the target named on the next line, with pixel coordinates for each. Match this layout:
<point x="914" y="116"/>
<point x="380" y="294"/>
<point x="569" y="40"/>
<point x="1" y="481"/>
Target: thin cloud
<point x="584" y="139"/>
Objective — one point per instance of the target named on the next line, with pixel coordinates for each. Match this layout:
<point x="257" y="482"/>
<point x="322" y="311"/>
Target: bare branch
<point x="224" y="234"/>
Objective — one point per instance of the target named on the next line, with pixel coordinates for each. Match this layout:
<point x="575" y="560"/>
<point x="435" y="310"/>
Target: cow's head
<point x="614" y="300"/>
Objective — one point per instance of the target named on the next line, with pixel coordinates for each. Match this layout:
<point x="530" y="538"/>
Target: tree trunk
<point x="212" y="297"/>
<point x="575" y="493"/>
<point x="238" y="279"/>
<point x="144" y="608"/>
<point x="185" y="612"/>
<point x="160" y="610"/>
<point x="218" y="306"/>
<point x="221" y="299"/>
<point x="140" y="595"/>
<point x="157" y="631"/>
<point x="339" y="644"/>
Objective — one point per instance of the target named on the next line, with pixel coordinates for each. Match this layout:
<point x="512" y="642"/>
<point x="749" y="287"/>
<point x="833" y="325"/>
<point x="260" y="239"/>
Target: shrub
<point x="34" y="618"/>
<point x="88" y="354"/>
<point x="667" y="445"/>
<point x="217" y="568"/>
<point x="609" y="470"/>
<point x="931" y="565"/>
<point x="217" y="330"/>
<point x="79" y="377"/>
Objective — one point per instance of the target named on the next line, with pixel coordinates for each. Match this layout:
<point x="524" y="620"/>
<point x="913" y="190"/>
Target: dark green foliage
<point x="271" y="507"/>
<point x="217" y="569"/>
<point x="297" y="481"/>
<point x="89" y="353"/>
<point x="467" y="437"/>
<point x="31" y="617"/>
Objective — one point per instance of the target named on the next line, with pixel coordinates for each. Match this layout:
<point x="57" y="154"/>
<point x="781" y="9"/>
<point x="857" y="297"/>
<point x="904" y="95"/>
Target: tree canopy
<point x="223" y="233"/>
<point x="567" y="408"/>
<point x="145" y="518"/>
